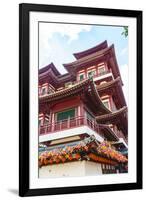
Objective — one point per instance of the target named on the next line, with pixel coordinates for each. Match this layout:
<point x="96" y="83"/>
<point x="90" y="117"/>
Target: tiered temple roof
<point x="52" y="75"/>
<point x="92" y="57"/>
<point x="89" y="57"/>
<point x="48" y="67"/>
<point x="88" y="94"/>
<point x="84" y="53"/>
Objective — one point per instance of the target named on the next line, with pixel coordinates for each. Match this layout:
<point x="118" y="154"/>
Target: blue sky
<point x="58" y="42"/>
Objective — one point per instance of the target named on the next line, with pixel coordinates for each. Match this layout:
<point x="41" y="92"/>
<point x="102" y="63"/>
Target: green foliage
<point x="125" y="31"/>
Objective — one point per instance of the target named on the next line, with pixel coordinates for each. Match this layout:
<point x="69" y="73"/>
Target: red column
<point x="53" y="122"/>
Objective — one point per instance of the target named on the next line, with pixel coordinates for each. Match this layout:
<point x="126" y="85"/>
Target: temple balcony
<point x="48" y="88"/>
<point x="76" y="126"/>
<point x="103" y="75"/>
<point x="70" y="127"/>
<point x="97" y="76"/>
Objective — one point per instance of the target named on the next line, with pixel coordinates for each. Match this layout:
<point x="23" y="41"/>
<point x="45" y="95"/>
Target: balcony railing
<point x="103" y="73"/>
<point x="68" y="124"/>
<point x="100" y="74"/>
<point x="50" y="90"/>
<point x="74" y="123"/>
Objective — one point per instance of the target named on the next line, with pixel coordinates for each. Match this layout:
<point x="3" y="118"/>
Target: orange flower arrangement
<point x="106" y="149"/>
<point x="104" y="152"/>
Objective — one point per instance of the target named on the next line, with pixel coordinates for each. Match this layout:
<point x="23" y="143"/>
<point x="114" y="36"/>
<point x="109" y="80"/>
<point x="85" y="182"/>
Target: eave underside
<point x="118" y="117"/>
<point x="85" y="89"/>
<point x="114" y="88"/>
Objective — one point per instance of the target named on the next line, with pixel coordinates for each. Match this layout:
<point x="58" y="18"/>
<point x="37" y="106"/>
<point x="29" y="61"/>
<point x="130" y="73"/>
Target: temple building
<point x="83" y="121"/>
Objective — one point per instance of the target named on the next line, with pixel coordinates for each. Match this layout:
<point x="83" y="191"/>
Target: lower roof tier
<point x="87" y="149"/>
<point x="86" y="89"/>
<point x="118" y="117"/>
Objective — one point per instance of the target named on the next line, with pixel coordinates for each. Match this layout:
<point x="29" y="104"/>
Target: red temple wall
<point x="91" y="68"/>
<point x="74" y="102"/>
<point x="69" y="103"/>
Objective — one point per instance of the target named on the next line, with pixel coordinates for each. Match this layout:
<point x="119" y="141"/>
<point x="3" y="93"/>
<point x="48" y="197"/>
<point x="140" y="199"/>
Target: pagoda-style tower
<point x="83" y="115"/>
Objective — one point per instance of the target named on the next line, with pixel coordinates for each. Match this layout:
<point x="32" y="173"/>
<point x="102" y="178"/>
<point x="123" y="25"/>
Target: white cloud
<point x="47" y="31"/>
<point x="70" y="30"/>
<point x="124" y="75"/>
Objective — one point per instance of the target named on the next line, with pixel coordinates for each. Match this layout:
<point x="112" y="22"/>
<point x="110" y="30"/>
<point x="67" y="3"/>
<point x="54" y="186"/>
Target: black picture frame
<point x="24" y="10"/>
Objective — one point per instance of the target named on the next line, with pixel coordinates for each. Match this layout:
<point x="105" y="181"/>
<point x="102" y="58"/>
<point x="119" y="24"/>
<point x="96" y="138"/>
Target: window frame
<point x="90" y="71"/>
<point x="75" y="109"/>
<point x="80" y="75"/>
<point x="107" y="101"/>
<point x="101" y="67"/>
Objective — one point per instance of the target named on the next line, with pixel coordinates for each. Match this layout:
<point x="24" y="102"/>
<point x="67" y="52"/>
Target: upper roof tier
<point x="93" y="56"/>
<point x="52" y="75"/>
<point x="87" y="58"/>
<point x="50" y="66"/>
<point x="87" y="52"/>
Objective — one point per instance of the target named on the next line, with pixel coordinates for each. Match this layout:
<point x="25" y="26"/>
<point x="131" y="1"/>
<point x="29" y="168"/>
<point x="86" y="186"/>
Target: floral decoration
<point x="103" y="152"/>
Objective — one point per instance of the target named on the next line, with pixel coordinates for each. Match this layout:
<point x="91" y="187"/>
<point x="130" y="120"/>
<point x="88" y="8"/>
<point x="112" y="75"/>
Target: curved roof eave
<point x="57" y="78"/>
<point x="115" y="64"/>
<point x="89" y="51"/>
<point x="112" y="84"/>
<point x="49" y="66"/>
<point x="99" y="101"/>
<point x="79" y="87"/>
<point x="109" y="130"/>
<point x="108" y="84"/>
<point x="112" y="114"/>
<point x="65" y="92"/>
<point x="88" y="58"/>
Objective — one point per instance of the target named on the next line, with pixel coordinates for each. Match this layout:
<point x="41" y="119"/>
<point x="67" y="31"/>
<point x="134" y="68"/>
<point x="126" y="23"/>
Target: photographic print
<point x="80" y="100"/>
<point x="83" y="111"/>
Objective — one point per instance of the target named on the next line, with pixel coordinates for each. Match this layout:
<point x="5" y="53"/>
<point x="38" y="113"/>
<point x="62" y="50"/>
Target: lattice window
<point x="64" y="115"/>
